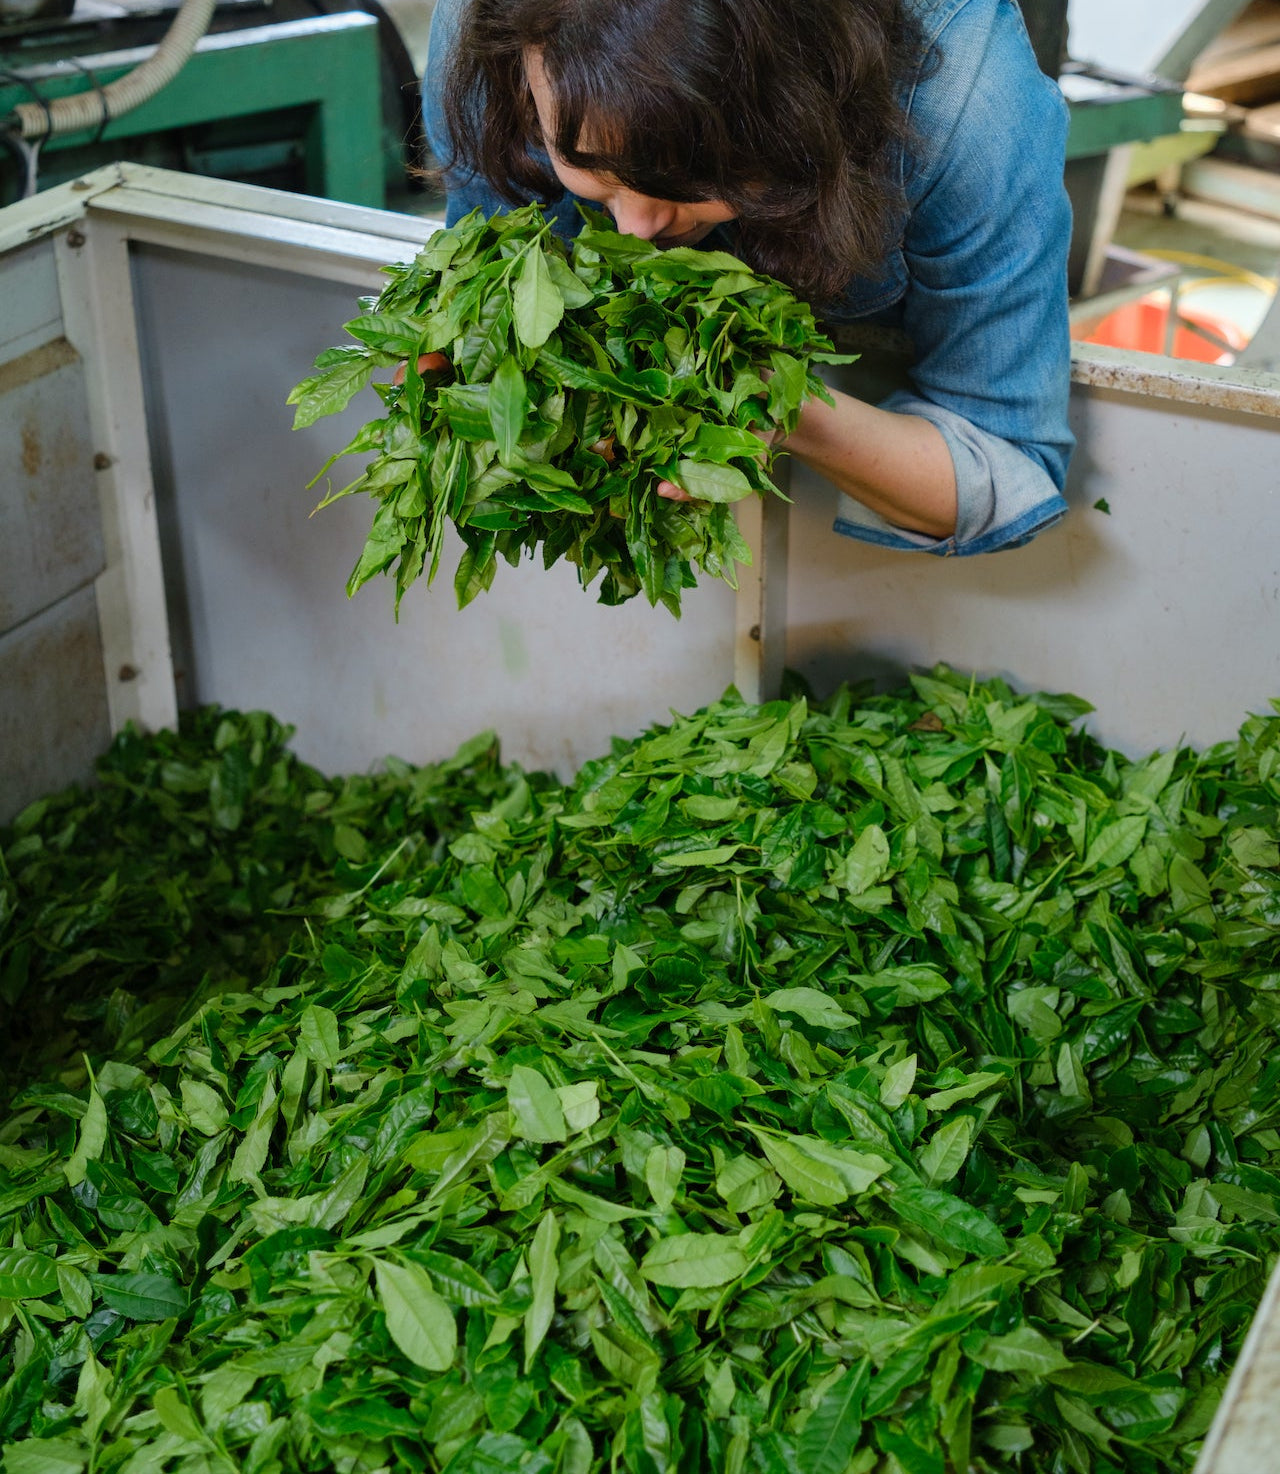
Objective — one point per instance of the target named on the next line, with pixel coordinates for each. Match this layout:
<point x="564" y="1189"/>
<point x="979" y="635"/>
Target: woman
<point x="897" y="162"/>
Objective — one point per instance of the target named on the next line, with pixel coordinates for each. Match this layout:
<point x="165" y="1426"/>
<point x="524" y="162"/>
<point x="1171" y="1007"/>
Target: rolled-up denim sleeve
<point x="986" y="306"/>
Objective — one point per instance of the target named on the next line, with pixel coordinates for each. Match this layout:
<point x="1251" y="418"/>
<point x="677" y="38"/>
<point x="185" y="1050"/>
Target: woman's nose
<point x="636" y="214"/>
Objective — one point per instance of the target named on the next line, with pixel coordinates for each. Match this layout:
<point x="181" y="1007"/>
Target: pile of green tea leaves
<point x="577" y="378"/>
<point x="891" y="1084"/>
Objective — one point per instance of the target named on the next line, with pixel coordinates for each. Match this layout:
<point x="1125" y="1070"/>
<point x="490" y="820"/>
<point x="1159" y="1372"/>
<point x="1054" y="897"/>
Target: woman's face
<point x="665" y="222"/>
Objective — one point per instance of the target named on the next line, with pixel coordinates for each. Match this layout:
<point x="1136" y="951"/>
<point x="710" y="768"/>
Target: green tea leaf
<point x="329" y="392"/>
<point x="319" y="1035"/>
<point x="662" y="1170"/>
<point x="1114" y="844"/>
<point x="811" y="1005"/>
<point x="537" y="302"/>
<point x="811" y="1180"/>
<point x="507" y="403"/>
<point x="868" y="861"/>
<point x="946" y="1151"/>
<point x="141" y="1296"/>
<point x="717" y="855"/>
<point x="834" y="1428"/>
<point x="418" y="1320"/>
<point x="204" y="1107"/>
<point x="45" y="1456"/>
<point x="535" y="1107"/>
<point x="711" y="483"/>
<point x="694" y="1261"/>
<point x="948" y="1219"/>
<point x="897" y="1082"/>
<point x="1023" y="1350"/>
<point x="26" y="1276"/>
<point x="91" y="1140"/>
<point x="544" y="1270"/>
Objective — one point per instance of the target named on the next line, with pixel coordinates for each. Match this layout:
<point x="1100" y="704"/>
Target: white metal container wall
<point x="261" y="581"/>
<point x="53" y="707"/>
<point x="1163" y="611"/>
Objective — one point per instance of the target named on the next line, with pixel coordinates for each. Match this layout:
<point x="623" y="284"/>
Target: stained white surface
<point x="30" y="312"/>
<point x="1165" y="613"/>
<point x="259" y="615"/>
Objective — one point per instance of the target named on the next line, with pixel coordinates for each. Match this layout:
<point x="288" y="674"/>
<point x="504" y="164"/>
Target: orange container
<point x="1142" y="325"/>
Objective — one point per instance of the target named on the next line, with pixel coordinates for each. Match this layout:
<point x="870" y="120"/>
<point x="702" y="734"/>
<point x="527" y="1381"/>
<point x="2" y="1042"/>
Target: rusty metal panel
<point x="50" y="524"/>
<point x="30" y="312"/>
<point x="53" y="718"/>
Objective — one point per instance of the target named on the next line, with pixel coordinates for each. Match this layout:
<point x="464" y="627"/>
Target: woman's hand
<point x="674" y="493"/>
<point x="429" y="363"/>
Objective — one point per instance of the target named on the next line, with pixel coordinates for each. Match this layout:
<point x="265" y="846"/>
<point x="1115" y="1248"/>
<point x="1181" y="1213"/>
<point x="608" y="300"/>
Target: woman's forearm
<point x="896" y="464"/>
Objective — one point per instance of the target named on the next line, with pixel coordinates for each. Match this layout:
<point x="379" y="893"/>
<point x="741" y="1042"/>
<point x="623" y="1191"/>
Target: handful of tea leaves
<point x="578" y="377"/>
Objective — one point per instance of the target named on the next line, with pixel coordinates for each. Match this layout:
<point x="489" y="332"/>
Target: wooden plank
<point x="1252" y="76"/>
<point x="1263" y="123"/>
<point x="1239" y="186"/>
<point x="1259" y="25"/>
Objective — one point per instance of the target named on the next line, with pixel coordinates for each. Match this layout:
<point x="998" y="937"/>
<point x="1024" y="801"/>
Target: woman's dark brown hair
<point x="787" y="110"/>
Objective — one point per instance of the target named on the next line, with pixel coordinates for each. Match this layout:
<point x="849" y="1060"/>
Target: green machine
<point x="293" y="94"/>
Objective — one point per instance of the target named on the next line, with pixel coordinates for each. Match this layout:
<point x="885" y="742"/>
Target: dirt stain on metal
<point x="32" y="455"/>
<point x="1243" y="391"/>
<point x="52" y="542"/>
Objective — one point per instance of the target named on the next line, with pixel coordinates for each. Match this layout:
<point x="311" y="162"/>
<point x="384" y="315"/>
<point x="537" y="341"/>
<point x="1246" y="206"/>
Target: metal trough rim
<point x="1242" y="1437"/>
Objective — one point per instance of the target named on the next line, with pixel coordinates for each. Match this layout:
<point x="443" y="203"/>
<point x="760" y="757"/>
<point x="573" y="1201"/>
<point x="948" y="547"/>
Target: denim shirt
<point x="978" y="282"/>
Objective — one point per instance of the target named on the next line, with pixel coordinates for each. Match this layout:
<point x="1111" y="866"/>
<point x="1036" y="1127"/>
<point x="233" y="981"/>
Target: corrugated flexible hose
<point x="96" y="107"/>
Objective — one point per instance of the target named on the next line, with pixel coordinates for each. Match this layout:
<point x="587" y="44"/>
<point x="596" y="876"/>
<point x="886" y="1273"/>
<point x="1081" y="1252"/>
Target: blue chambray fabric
<point x="978" y="282"/>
